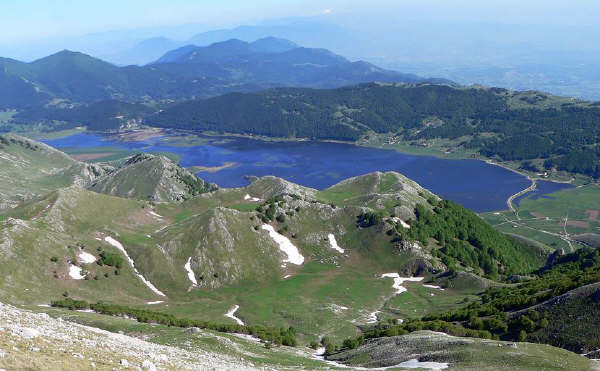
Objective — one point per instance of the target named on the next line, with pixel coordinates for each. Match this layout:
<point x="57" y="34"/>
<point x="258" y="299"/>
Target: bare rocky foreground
<point x="37" y="341"/>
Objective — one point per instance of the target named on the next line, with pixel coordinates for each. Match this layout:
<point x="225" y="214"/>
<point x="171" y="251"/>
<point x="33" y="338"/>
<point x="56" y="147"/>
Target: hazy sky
<point x="25" y="20"/>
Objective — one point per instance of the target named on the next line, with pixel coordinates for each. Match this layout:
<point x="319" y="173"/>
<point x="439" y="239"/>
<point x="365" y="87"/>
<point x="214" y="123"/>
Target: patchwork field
<point x="556" y="220"/>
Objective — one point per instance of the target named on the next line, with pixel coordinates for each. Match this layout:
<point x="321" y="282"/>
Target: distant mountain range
<point x="185" y="73"/>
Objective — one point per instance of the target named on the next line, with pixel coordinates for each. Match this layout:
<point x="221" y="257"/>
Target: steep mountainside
<point x="29" y="169"/>
<point x="153" y="178"/>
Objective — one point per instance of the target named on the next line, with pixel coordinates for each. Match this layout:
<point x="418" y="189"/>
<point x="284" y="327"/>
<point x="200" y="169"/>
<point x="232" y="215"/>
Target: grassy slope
<point x="29" y="169"/>
<point x="248" y="275"/>
<point x="463" y="354"/>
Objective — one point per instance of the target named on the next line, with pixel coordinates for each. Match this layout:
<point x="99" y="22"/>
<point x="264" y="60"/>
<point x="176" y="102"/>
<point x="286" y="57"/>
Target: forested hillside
<point x="557" y="306"/>
<point x="498" y="122"/>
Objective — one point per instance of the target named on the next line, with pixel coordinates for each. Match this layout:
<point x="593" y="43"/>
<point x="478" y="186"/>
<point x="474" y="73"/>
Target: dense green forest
<point x="99" y="116"/>
<point x="525" y="312"/>
<point x="469" y="241"/>
<point x="563" y="134"/>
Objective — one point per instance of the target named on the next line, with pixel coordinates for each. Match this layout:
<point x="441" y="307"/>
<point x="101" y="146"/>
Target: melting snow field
<point x="190" y="272"/>
<point x="285" y="245"/>
<point x="333" y="243"/>
<point x="231" y="314"/>
<point x="87" y="258"/>
<point x="155" y="302"/>
<point x="118" y="245"/>
<point x="398" y="281"/>
<point x="75" y="272"/>
<point x="247" y="197"/>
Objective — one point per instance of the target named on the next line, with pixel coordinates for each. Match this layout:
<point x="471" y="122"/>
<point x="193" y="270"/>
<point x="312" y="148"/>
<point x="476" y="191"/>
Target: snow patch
<point x="75" y="272"/>
<point x="247" y="197"/>
<point x="287" y="276"/>
<point x="333" y="243"/>
<point x="285" y="245"/>
<point x="155" y="302"/>
<point x="337" y="308"/>
<point x="434" y="287"/>
<point x="372" y="317"/>
<point x="120" y="247"/>
<point x="231" y="314"/>
<point x="190" y="272"/>
<point x="155" y="214"/>
<point x="87" y="258"/>
<point x="401" y="222"/>
<point x="398" y="281"/>
<point x="415" y="363"/>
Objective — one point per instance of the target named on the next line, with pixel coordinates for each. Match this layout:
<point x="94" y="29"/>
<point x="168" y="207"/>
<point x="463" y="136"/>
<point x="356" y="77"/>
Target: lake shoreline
<point x="226" y="159"/>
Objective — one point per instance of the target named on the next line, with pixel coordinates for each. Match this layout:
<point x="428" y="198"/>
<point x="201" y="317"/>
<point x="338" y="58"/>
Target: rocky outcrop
<point x="154" y="178"/>
<point x="41" y="342"/>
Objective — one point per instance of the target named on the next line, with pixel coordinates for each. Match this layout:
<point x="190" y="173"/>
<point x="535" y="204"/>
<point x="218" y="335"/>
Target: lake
<point x="475" y="184"/>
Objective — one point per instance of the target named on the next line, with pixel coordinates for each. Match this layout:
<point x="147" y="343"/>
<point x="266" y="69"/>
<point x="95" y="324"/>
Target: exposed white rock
<point x="415" y="363"/>
<point x="285" y="245"/>
<point x="148" y="366"/>
<point x="75" y="272"/>
<point x="398" y="281"/>
<point x="190" y="272"/>
<point x="231" y="314"/>
<point x="28" y="333"/>
<point x="333" y="243"/>
<point x="120" y="247"/>
<point x="87" y="258"/>
<point x="60" y="340"/>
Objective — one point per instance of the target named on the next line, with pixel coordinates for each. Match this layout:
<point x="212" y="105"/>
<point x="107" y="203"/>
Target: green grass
<point x="243" y="207"/>
<point x="42" y="135"/>
<point x="419" y="301"/>
<point x="540" y="218"/>
<point x="469" y="354"/>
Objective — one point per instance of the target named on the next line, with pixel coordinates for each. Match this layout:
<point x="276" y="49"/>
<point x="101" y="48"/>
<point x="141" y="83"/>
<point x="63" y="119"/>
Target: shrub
<point x="111" y="259"/>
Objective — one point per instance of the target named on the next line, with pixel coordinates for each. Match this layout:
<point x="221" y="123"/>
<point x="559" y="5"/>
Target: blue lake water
<point x="472" y="183"/>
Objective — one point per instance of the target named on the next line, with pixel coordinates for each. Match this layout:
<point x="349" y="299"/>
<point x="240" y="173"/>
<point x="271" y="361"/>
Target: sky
<point x="29" y="20"/>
